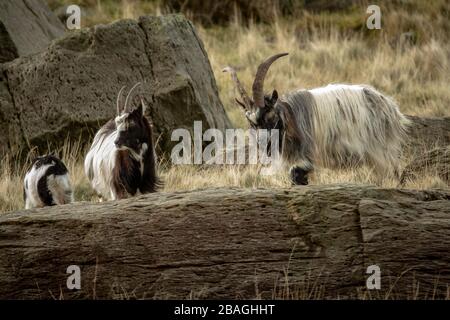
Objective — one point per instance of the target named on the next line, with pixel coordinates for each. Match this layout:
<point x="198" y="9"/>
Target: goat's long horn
<point x="258" y="84"/>
<point x="129" y="93"/>
<point x="246" y="99"/>
<point x="118" y="100"/>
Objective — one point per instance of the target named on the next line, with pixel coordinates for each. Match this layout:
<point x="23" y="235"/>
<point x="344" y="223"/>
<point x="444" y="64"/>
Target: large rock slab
<point x="26" y="27"/>
<point x="70" y="89"/>
<point x="304" y="242"/>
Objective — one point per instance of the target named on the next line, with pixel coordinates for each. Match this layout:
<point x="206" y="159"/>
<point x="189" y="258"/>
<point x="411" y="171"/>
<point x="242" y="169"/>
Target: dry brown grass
<point x="321" y="52"/>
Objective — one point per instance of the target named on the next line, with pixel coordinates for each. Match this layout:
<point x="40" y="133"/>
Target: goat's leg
<point x="299" y="175"/>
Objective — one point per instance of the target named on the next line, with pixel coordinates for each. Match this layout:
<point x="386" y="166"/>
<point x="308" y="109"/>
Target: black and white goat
<point x="334" y="126"/>
<point x="121" y="160"/>
<point x="47" y="183"/>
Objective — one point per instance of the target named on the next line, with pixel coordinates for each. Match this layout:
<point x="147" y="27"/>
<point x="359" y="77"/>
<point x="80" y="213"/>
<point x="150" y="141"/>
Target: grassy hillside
<point x="408" y="59"/>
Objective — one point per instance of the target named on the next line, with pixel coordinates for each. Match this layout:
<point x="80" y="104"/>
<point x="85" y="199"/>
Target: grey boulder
<point x="69" y="90"/>
<point x="26" y="27"/>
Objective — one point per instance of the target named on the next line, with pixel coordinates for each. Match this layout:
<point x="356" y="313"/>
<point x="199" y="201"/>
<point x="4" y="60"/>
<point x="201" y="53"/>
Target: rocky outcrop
<point x="26" y="27"/>
<point x="305" y="242"/>
<point x="70" y="89"/>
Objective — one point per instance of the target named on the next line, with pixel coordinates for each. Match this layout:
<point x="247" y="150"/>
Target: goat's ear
<point x="274" y="97"/>
<point x="139" y="110"/>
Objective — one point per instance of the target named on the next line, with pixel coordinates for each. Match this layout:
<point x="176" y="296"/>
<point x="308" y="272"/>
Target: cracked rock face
<point x="70" y="89"/>
<point x="303" y="242"/>
<point x="26" y="27"/>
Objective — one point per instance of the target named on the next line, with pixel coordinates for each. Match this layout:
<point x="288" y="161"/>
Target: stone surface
<point x="304" y="242"/>
<point x="26" y="27"/>
<point x="70" y="89"/>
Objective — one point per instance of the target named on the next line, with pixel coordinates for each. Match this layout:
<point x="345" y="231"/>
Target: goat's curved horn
<point x="144" y="106"/>
<point x="258" y="84"/>
<point x="119" y="95"/>
<point x="129" y="93"/>
<point x="247" y="100"/>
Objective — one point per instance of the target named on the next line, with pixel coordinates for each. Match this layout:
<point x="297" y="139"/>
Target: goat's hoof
<point x="299" y="176"/>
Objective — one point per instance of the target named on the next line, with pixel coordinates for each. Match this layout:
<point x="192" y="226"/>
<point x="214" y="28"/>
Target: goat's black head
<point x="266" y="117"/>
<point x="260" y="111"/>
<point x="133" y="130"/>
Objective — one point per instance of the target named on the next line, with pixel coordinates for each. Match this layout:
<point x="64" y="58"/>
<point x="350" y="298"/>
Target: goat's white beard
<point x="137" y="156"/>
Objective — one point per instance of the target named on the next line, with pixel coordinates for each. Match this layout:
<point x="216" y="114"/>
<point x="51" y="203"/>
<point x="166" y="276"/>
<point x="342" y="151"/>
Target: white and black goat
<point x="334" y="126"/>
<point x="47" y="183"/>
<point x="121" y="160"/>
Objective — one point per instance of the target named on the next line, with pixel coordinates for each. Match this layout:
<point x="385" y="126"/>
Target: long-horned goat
<point x="121" y="160"/>
<point x="47" y="183"/>
<point x="334" y="126"/>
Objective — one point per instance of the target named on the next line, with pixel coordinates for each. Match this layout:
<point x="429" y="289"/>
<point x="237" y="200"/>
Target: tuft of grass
<point x="416" y="77"/>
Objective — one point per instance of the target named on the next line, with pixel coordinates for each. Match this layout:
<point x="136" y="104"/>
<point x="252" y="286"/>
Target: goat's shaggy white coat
<point x="344" y="125"/>
<point x="100" y="162"/>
